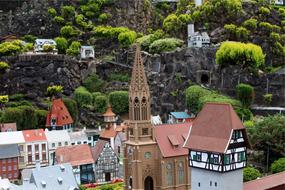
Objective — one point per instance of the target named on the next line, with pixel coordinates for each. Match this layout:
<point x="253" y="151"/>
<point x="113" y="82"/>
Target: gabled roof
<point x="60" y="113"/>
<point x="75" y="155"/>
<point x="212" y="128"/>
<point x="265" y="183"/>
<point x="15" y="137"/>
<point x="180" y="115"/>
<point x="34" y="135"/>
<point x="4" y="127"/>
<point x="109" y="112"/>
<point x="9" y="151"/>
<point x="108" y="133"/>
<point x="78" y="135"/>
<point x="170" y="138"/>
<point x="57" y="136"/>
<point x="97" y="150"/>
<point x="44" y="41"/>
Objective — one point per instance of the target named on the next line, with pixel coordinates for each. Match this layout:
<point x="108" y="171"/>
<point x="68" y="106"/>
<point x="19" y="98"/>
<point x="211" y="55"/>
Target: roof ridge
<point x="272" y="175"/>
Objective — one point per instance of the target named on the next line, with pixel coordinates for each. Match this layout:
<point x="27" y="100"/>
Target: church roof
<point x="98" y="148"/>
<point x="171" y="137"/>
<point x="212" y="129"/>
<point x="109" y="112"/>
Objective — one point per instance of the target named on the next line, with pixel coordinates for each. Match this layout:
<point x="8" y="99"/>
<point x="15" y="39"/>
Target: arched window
<point x="169" y="174"/>
<point x="137" y="109"/>
<point x="144" y="109"/>
<point x="181" y="172"/>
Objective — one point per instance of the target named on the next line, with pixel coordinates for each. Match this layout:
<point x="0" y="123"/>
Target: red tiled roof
<point x="60" y="113"/>
<point x="169" y="138"/>
<point x="96" y="151"/>
<point x="109" y="112"/>
<point x="4" y="127"/>
<point x="266" y="183"/>
<point x="108" y="133"/>
<point x="75" y="155"/>
<point x="34" y="135"/>
<point x="213" y="127"/>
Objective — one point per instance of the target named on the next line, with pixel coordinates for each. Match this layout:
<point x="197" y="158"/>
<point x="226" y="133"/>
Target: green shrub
<point x="146" y="41"/>
<point x="61" y="44"/>
<point x="67" y="11"/>
<point x="278" y="166"/>
<point x="275" y="37"/>
<point x="4" y="99"/>
<point x="237" y="53"/>
<point x="103" y="17"/>
<point x="52" y="12"/>
<point x="74" y="48"/>
<point x="119" y="77"/>
<point x="250" y="24"/>
<point x="193" y="94"/>
<point x="29" y="38"/>
<point x="248" y="123"/>
<point x="80" y="20"/>
<point x="244" y="113"/>
<point x="19" y="103"/>
<point x="242" y="33"/>
<point x="93" y="83"/>
<point x="231" y="28"/>
<point x="4" y="66"/>
<point x="250" y="173"/>
<point x="278" y="49"/>
<point x="164" y="45"/>
<point x="82" y="96"/>
<point x="54" y="90"/>
<point x="267" y="99"/>
<point x="172" y="23"/>
<point x="94" y="95"/>
<point x="127" y="38"/>
<point x="17" y="97"/>
<point x="91" y="9"/>
<point x="41" y="118"/>
<point x="101" y="103"/>
<point x="264" y="11"/>
<point x="72" y="108"/>
<point x="28" y="47"/>
<point x="48" y="48"/>
<point x="245" y="94"/>
<point x="10" y="48"/>
<point x="68" y="31"/>
<point x="119" y="101"/>
<point x="59" y="19"/>
<point x="185" y="19"/>
<point x="11" y="115"/>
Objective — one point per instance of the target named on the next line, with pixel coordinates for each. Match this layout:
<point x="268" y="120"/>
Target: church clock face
<point x="147" y="155"/>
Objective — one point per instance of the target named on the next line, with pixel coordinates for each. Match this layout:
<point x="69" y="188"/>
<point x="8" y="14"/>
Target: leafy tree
<point x="74" y="48"/>
<point x="4" y="66"/>
<point x="164" y="45"/>
<point x="59" y="19"/>
<point x="193" y="94"/>
<point x="61" y="44"/>
<point x="101" y="103"/>
<point x="104" y="17"/>
<point x="245" y="94"/>
<point x="68" y="31"/>
<point x="11" y="48"/>
<point x="119" y="101"/>
<point x="72" y="108"/>
<point x="94" y="95"/>
<point x="54" y="90"/>
<point x="172" y="23"/>
<point x="3" y="100"/>
<point x="127" y="38"/>
<point x="52" y="12"/>
<point x="147" y="40"/>
<point x="250" y="24"/>
<point x="28" y="47"/>
<point x="82" y="96"/>
<point x="67" y="11"/>
<point x="93" y="83"/>
<point x="41" y="117"/>
<point x="264" y="11"/>
<point x="250" y="173"/>
<point x="278" y="165"/>
<point x="29" y="38"/>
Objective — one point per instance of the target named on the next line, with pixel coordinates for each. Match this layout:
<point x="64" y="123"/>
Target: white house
<point x="280" y="2"/>
<point x="87" y="52"/>
<point x="40" y="43"/>
<point x="81" y="137"/>
<point x="197" y="39"/>
<point x="56" y="139"/>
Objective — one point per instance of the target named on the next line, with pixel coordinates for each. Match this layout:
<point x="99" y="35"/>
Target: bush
<point x="29" y="38"/>
<point x="19" y="103"/>
<point x="28" y="47"/>
<point x="250" y="24"/>
<point x="101" y="103"/>
<point x="61" y="44"/>
<point x="103" y="17"/>
<point x="119" y="101"/>
<point x="80" y="20"/>
<point x="41" y="118"/>
<point x="72" y="108"/>
<point x="4" y="99"/>
<point x="74" y="48"/>
<point x="127" y="38"/>
<point x="68" y="31"/>
<point x="119" y="77"/>
<point x="94" y="95"/>
<point x="193" y="94"/>
<point x="93" y="83"/>
<point x="267" y="99"/>
<point x="59" y="19"/>
<point x="146" y="41"/>
<point x="48" y="48"/>
<point x="242" y="33"/>
<point x="54" y="90"/>
<point x="52" y="12"/>
<point x="250" y="173"/>
<point x="231" y="28"/>
<point x="245" y="94"/>
<point x="237" y="53"/>
<point x="278" y="49"/>
<point x="172" y="23"/>
<point x="244" y="113"/>
<point x="164" y="45"/>
<point x="17" y="97"/>
<point x="82" y="96"/>
<point x="10" y="48"/>
<point x="275" y="37"/>
<point x="278" y="166"/>
<point x="67" y="11"/>
<point x="4" y="66"/>
<point x="264" y="11"/>
<point x="248" y="123"/>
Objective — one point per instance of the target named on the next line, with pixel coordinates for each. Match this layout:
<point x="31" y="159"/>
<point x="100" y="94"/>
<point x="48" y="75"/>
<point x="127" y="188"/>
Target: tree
<point x="250" y="173"/>
<point x="93" y="83"/>
<point x="68" y="31"/>
<point x="11" y="48"/>
<point x="278" y="166"/>
<point x="72" y="108"/>
<point x="172" y="23"/>
<point x="245" y="94"/>
<point x="127" y="38"/>
<point x="119" y="101"/>
<point x="101" y="103"/>
<point x="61" y="44"/>
<point x="74" y="48"/>
<point x="193" y="94"/>
<point x="4" y="66"/>
<point x="164" y="45"/>
<point x="3" y="100"/>
<point x="82" y="96"/>
<point x="54" y="90"/>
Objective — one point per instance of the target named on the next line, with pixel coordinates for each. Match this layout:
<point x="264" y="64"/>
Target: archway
<point x="204" y="78"/>
<point x="148" y="183"/>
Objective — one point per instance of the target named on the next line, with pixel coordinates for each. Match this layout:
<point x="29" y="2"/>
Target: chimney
<point x="38" y="165"/>
<point x="62" y="168"/>
<point x="190" y="29"/>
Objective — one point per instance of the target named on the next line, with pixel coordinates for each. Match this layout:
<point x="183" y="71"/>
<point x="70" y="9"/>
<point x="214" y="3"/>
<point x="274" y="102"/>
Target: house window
<point x="197" y="156"/>
<point x="226" y="159"/>
<point x="65" y="143"/>
<point x="9" y="160"/>
<point x="43" y="147"/>
<point x="21" y="147"/>
<point x="21" y="159"/>
<point x="181" y="172"/>
<point x="29" y="148"/>
<point x="241" y="156"/>
<point x="216" y="184"/>
<point x="37" y="148"/>
<point x="16" y="175"/>
<point x="15" y="167"/>
<point x="15" y="160"/>
<point x="53" y="145"/>
<point x="9" y="168"/>
<point x="37" y="157"/>
<point x="44" y="156"/>
<point x="214" y="159"/>
<point x="3" y="168"/>
<point x="199" y="184"/>
<point x="30" y="159"/>
<point x="59" y="144"/>
<point x="145" y="131"/>
<point x="169" y="174"/>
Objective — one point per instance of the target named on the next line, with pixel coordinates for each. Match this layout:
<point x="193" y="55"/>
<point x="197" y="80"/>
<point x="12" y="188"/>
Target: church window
<point x="169" y="174"/>
<point x="144" y="109"/>
<point x="131" y="131"/>
<point x="137" y="109"/>
<point x="181" y="172"/>
<point x="147" y="155"/>
<point x="145" y="131"/>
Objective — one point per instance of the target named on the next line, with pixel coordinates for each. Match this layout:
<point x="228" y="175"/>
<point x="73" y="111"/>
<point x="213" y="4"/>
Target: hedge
<point x="250" y="173"/>
<point x="193" y="94"/>
<point x="119" y="101"/>
<point x="61" y="44"/>
<point x="93" y="83"/>
<point x="164" y="45"/>
<point x="101" y="103"/>
<point x="4" y="66"/>
<point x="72" y="108"/>
<point x="278" y="165"/>
<point x="82" y="96"/>
<point x="245" y="94"/>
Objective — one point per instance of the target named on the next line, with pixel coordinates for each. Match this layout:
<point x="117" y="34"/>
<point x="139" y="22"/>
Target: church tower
<point x="140" y="151"/>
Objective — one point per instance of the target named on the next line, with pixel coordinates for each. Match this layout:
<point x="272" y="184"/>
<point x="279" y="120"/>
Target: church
<point x="154" y="157"/>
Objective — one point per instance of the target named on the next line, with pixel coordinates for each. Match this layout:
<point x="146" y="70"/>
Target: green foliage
<point x="10" y="48"/>
<point x="119" y="101"/>
<point x="244" y="113"/>
<point x="72" y="108"/>
<point x="59" y="19"/>
<point x="17" y="97"/>
<point x="101" y="103"/>
<point x="185" y="19"/>
<point x="41" y="118"/>
<point x="250" y="24"/>
<point x="104" y="17"/>
<point x="231" y="28"/>
<point x="29" y="38"/>
<point x="182" y="6"/>
<point x="82" y="96"/>
<point x="93" y="83"/>
<point x="54" y="90"/>
<point x="245" y="94"/>
<point x="119" y="77"/>
<point x="91" y="9"/>
<point x="52" y="12"/>
<point x="248" y="123"/>
<point x="4" y="66"/>
<point x="4" y="99"/>
<point x="193" y="94"/>
<point x="267" y="27"/>
<point x="28" y="47"/>
<point x="127" y="38"/>
<point x="68" y="31"/>
<point x="172" y="23"/>
<point x="164" y="45"/>
<point x="278" y="165"/>
<point x="278" y="49"/>
<point x="67" y="12"/>
<point x="146" y="41"/>
<point x="237" y="53"/>
<point x="94" y="95"/>
<point x="242" y="33"/>
<point x="81" y="21"/>
<point x="250" y="173"/>
<point x="74" y="48"/>
<point x="275" y="37"/>
<point x="48" y="48"/>
<point x="61" y="44"/>
<point x="264" y="11"/>
<point x="19" y="103"/>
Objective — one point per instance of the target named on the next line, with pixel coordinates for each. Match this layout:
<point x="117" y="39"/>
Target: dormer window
<point x="53" y="121"/>
<point x="236" y="135"/>
<point x="197" y="156"/>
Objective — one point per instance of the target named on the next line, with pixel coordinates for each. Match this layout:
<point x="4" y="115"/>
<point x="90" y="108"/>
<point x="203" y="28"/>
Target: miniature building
<point x="9" y="161"/>
<point x="156" y="120"/>
<point x="5" y="184"/>
<point x="280" y="2"/>
<point x="8" y="127"/>
<point x="217" y="145"/>
<point x="197" y="39"/>
<point x="106" y="162"/>
<point x="87" y="52"/>
<point x="58" y="118"/>
<point x="81" y="159"/>
<point x="145" y="164"/>
<point x="40" y="43"/>
<point x="179" y="117"/>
